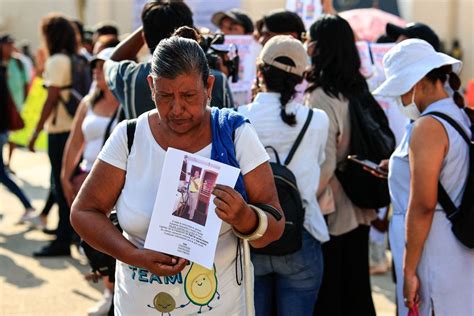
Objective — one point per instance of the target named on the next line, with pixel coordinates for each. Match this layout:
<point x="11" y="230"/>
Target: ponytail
<point x="446" y="73"/>
<point x="455" y="84"/>
<point x="277" y="80"/>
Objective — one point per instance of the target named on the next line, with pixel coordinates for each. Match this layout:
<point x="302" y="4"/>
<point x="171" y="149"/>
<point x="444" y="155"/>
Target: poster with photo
<point x="184" y="222"/>
<point x="248" y="50"/>
<point x="366" y="68"/>
<point x="308" y="10"/>
<point x="378" y="51"/>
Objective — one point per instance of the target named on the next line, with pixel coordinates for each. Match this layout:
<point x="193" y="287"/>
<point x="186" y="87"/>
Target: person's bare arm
<point x="96" y="198"/>
<point x="72" y="151"/>
<point x="129" y="47"/>
<point x="231" y="208"/>
<point x="51" y="101"/>
<point x="428" y="147"/>
<point x="328" y="7"/>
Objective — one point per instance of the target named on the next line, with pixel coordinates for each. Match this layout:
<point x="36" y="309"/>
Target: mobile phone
<point x="368" y="164"/>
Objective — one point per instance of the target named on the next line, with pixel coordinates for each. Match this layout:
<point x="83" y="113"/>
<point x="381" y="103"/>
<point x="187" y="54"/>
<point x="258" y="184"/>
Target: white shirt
<point x="136" y="288"/>
<point x="264" y="114"/>
<point x="57" y="73"/>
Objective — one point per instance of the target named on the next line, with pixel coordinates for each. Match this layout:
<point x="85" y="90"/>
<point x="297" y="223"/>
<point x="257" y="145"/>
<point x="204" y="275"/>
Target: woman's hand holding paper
<point x="232" y="209"/>
<point x="158" y="263"/>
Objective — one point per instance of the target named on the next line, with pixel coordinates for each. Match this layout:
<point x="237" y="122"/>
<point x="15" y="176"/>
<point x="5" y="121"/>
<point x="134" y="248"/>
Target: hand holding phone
<point x="369" y="166"/>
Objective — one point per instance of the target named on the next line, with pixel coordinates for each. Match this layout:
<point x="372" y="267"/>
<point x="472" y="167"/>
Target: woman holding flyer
<point x="148" y="281"/>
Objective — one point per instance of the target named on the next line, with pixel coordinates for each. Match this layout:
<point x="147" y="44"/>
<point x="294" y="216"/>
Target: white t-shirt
<point x="264" y="114"/>
<point x="137" y="291"/>
<point x="57" y="73"/>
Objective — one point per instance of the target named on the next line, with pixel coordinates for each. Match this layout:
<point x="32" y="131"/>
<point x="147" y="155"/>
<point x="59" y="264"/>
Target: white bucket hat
<point x="407" y="63"/>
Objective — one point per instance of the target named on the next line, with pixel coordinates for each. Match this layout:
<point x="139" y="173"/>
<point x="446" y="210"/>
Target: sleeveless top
<point x="454" y="167"/>
<point x="93" y="127"/>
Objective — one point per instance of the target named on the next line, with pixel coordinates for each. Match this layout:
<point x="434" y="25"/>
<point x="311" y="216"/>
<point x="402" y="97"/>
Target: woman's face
<point x="181" y="102"/>
<point x="98" y="75"/>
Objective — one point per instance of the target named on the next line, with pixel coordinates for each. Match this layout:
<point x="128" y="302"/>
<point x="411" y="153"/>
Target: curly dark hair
<point x="59" y="33"/>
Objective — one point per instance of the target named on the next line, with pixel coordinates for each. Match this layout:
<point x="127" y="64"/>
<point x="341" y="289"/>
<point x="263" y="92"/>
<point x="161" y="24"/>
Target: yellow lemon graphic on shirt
<point x="200" y="285"/>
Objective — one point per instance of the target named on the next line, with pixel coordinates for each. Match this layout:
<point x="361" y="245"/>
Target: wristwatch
<point x="261" y="228"/>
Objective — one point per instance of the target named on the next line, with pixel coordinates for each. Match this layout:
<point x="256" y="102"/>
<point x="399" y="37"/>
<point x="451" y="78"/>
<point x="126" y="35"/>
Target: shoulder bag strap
<point x="443" y="196"/>
<point x="109" y="125"/>
<point x="299" y="138"/>
<point x="131" y="127"/>
<point x="453" y="123"/>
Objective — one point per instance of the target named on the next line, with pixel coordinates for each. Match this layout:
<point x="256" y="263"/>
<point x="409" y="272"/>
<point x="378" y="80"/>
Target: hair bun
<point x="187" y="32"/>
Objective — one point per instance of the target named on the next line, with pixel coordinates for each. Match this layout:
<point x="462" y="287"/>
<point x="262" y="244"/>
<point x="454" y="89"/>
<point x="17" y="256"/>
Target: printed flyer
<point x="248" y="50"/>
<point x="184" y="222"/>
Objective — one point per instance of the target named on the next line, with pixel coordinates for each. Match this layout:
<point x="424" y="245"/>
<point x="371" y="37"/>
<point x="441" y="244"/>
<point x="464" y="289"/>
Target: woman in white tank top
<point x="89" y="127"/>
<point x="435" y="272"/>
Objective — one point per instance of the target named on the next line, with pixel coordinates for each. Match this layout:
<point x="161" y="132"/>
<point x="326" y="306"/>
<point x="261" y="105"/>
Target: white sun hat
<point x="407" y="63"/>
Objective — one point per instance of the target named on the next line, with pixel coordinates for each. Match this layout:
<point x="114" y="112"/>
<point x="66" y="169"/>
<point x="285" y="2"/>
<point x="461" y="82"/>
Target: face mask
<point x="306" y="47"/>
<point x="411" y="110"/>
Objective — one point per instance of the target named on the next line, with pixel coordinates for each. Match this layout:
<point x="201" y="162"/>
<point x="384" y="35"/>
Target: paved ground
<point x="56" y="286"/>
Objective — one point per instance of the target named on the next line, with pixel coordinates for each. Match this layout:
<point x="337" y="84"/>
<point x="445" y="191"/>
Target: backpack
<point x="290" y="201"/>
<point x="371" y="139"/>
<point x="101" y="262"/>
<point x="462" y="217"/>
<point x="80" y="84"/>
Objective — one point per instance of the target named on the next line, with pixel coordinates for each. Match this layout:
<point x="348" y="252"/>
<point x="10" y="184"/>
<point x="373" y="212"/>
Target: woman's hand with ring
<point x="411" y="286"/>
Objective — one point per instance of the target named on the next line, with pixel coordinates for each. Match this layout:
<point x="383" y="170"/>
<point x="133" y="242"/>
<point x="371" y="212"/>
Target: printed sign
<point x="308" y="10"/>
<point x="248" y="50"/>
<point x="184" y="222"/>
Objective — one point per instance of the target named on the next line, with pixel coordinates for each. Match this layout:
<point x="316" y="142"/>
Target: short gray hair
<point x="175" y="56"/>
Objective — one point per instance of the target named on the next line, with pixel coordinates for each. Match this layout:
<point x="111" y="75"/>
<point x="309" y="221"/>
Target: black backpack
<point x="290" y="201"/>
<point x="80" y="84"/>
<point x="371" y="139"/>
<point x="101" y="262"/>
<point x="462" y="217"/>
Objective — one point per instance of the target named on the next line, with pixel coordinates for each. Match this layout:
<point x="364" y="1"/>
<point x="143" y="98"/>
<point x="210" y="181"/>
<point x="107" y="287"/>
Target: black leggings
<point x="56" y="144"/>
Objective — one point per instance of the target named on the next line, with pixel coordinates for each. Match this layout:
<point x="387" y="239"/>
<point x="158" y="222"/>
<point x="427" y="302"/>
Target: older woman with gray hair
<point x="147" y="280"/>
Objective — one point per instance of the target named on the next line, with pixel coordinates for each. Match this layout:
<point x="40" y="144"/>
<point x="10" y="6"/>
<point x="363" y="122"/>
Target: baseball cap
<point x="414" y="30"/>
<point x="408" y="62"/>
<point x="6" y="38"/>
<point x="239" y="16"/>
<point x="282" y="21"/>
<point x="102" y="55"/>
<point x="285" y="46"/>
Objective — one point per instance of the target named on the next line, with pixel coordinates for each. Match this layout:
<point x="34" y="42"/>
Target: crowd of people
<point x="110" y="117"/>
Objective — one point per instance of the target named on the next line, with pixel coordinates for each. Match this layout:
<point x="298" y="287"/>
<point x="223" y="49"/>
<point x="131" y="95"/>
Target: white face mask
<point x="411" y="110"/>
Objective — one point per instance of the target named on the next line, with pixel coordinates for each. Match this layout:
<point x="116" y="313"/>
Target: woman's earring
<point x="208" y="104"/>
